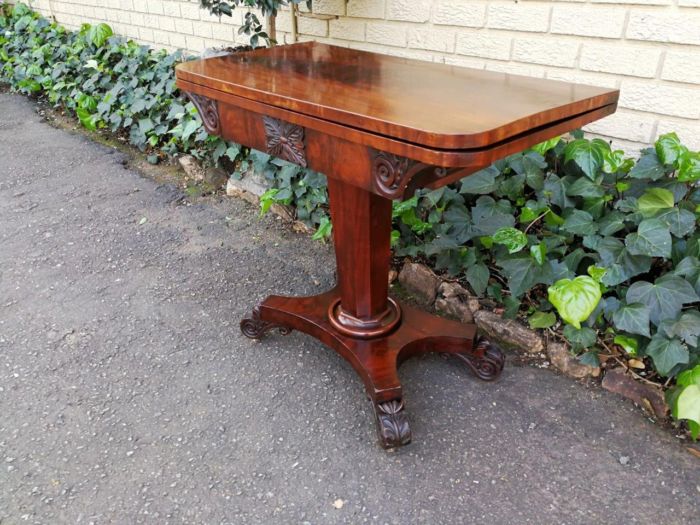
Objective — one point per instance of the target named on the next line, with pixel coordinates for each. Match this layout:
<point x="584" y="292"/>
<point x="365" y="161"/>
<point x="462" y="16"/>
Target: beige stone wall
<point x="650" y="49"/>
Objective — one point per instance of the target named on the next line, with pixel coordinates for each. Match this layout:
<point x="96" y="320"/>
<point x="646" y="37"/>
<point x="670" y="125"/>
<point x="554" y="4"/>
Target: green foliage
<point x="684" y="399"/>
<point x="114" y="84"/>
<point x="251" y="23"/>
<point x="527" y="229"/>
<point x="575" y="299"/>
<point x="106" y="81"/>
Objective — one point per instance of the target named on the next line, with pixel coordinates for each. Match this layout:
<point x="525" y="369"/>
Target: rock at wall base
<point x="191" y="167"/>
<point x="454" y="301"/>
<point x="217" y="177"/>
<point x="649" y="397"/>
<point x="567" y="363"/>
<point x="421" y="281"/>
<point x="509" y="332"/>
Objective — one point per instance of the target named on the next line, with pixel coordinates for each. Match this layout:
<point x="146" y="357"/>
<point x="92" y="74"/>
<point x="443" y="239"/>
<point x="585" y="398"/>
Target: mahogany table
<point x="379" y="128"/>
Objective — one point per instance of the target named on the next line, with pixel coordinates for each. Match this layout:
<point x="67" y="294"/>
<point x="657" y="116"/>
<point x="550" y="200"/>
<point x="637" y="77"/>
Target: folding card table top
<point x="379" y="128"/>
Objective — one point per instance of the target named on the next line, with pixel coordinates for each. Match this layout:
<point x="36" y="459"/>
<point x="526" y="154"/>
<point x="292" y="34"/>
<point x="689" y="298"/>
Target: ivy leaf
<point x="686" y="328"/>
<point x="589" y="358"/>
<point x="648" y="167"/>
<point x="665" y="297"/>
<point x="575" y="299"/>
<point x="542" y="320"/>
<point x="668" y="148"/>
<point x="478" y="277"/>
<point x="654" y="201"/>
<point x="98" y="34"/>
<point x="555" y="191"/>
<point x="651" y="238"/>
<point x="586" y="188"/>
<point x="596" y="272"/>
<point x="579" y="222"/>
<point x="523" y="273"/>
<point x="489" y="215"/>
<point x="86" y="118"/>
<point x="480" y="183"/>
<point x="324" y="231"/>
<point x="680" y="221"/>
<point x="666" y="353"/>
<point x="688" y="407"/>
<point x="689" y="167"/>
<point x="620" y="263"/>
<point x="689" y="267"/>
<point x="511" y="238"/>
<point x="539" y="253"/>
<point x="611" y="223"/>
<point x="633" y="318"/>
<point x="189" y="129"/>
<point x="543" y="147"/>
<point x="580" y="338"/>
<point x="587" y="155"/>
<point x="628" y="344"/>
<point x="689" y="377"/>
<point x="615" y="161"/>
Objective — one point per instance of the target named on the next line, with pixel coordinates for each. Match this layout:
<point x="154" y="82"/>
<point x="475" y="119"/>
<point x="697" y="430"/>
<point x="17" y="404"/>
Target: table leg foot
<point x="376" y="360"/>
<point x="392" y="423"/>
<point x="486" y="361"/>
<point x="254" y="327"/>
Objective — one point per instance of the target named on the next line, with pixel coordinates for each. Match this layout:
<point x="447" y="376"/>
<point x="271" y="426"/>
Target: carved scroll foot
<point x="486" y="361"/>
<point x="392" y="424"/>
<point x="255" y="328"/>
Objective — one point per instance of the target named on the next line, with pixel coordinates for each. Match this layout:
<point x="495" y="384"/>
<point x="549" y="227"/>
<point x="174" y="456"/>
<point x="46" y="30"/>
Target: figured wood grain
<point x="396" y="97"/>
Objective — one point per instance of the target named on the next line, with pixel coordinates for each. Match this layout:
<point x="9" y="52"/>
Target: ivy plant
<point x="113" y="84"/>
<point x="609" y="243"/>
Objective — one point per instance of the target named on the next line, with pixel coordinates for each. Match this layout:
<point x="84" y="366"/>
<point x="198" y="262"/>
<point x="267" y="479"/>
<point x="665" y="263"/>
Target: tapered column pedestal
<point x="373" y="332"/>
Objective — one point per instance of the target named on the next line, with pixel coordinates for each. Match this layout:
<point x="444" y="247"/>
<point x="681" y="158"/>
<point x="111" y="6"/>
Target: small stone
<point x="636" y="363"/>
<point x="452" y="290"/>
<point x="645" y="395"/>
<point x="300" y="227"/>
<point x="217" y="177"/>
<point x="233" y="189"/>
<point x="338" y="504"/>
<point x="285" y="212"/>
<point x="455" y="308"/>
<point x="191" y="167"/>
<point x="454" y="301"/>
<point x="420" y="280"/>
<point x="624" y="460"/>
<point x="251" y="183"/>
<point x="566" y="363"/>
<point x="509" y="332"/>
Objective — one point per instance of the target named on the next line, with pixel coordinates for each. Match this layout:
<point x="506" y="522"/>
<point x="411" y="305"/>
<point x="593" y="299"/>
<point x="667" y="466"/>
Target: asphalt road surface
<point x="128" y="394"/>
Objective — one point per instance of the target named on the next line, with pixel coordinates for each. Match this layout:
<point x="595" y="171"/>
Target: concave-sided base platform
<point x="376" y="360"/>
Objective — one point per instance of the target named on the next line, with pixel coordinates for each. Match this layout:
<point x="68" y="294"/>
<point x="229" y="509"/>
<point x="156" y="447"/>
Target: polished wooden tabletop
<point x="424" y="103"/>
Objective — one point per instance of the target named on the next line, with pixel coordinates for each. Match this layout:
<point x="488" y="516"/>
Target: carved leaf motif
<point x="285" y="140"/>
<point x="393" y="424"/>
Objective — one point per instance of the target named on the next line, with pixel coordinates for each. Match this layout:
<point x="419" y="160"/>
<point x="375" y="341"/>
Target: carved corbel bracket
<point x="208" y="110"/>
<point x="396" y="177"/>
<point x="285" y="140"/>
